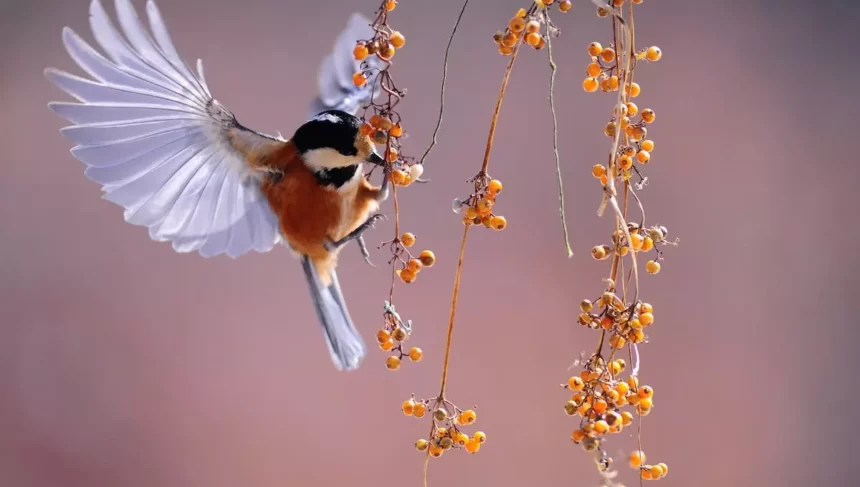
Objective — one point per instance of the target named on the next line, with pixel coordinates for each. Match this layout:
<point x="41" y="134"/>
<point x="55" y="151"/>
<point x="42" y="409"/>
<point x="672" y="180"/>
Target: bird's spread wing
<point x="334" y="82"/>
<point x="151" y="134"/>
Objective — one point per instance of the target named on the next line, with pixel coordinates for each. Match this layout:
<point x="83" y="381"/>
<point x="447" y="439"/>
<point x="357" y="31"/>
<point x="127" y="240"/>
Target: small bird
<point x="150" y="132"/>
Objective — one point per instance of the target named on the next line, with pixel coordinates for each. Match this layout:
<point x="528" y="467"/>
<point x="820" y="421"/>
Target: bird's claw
<point x="364" y="252"/>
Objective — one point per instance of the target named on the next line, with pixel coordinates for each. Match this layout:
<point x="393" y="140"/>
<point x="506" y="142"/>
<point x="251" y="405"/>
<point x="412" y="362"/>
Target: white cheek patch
<point x="327" y="158"/>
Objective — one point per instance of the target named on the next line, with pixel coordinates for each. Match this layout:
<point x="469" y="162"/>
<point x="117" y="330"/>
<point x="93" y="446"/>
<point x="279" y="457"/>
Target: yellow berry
<point x="646" y="308"/>
<point x="594" y="49"/>
<point x="598" y="170"/>
<point x="590" y="85"/>
<point x="397" y="39"/>
<point x="643" y="156"/>
<point x="636" y="459"/>
<point x="461" y="438"/>
<point x="498" y="223"/>
<point x="419" y="410"/>
<point x="654" y="53"/>
<point x="632" y="109"/>
<point x="622" y="388"/>
<point x="634" y="90"/>
<point x="359" y="80"/>
<point x="575" y="383"/>
<point x="664" y="468"/>
<point x="656" y="471"/>
<point x="386" y="51"/>
<point x="652" y="266"/>
<point x="609" y="130"/>
<point x="598" y="253"/>
<point x="480" y="437"/>
<point x="392" y="363"/>
<point x="648" y="145"/>
<point x="645" y="404"/>
<point x="646" y="392"/>
<point x="494" y="186"/>
<point x="415" y="354"/>
<point x="440" y="414"/>
<point x="427" y="258"/>
<point x="617" y="342"/>
<point x="408" y="407"/>
<point x="602" y="12"/>
<point x="586" y="306"/>
<point x="626" y="418"/>
<point x="421" y="445"/>
<point x="565" y="5"/>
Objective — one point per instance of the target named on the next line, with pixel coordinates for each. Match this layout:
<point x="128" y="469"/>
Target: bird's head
<point x="331" y="139"/>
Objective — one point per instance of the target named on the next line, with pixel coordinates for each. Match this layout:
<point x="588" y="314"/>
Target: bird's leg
<point x="356" y="235"/>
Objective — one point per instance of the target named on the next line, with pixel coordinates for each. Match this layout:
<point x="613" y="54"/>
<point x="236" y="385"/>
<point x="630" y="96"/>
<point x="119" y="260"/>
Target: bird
<point x="180" y="163"/>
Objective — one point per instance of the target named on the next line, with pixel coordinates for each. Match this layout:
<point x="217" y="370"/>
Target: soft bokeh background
<point x="125" y="364"/>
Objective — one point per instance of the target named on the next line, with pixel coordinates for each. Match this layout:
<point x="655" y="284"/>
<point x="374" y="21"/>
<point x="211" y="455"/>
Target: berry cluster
<point x="446" y="432"/>
<point x="384" y="126"/>
<point x="641" y="239"/>
<point x="526" y="26"/>
<point x="391" y="338"/>
<point x="479" y="206"/>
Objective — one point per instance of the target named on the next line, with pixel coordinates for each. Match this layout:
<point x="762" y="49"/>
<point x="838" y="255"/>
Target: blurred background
<point x="125" y="364"/>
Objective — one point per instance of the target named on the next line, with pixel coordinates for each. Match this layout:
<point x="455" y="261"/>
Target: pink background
<point x="123" y="363"/>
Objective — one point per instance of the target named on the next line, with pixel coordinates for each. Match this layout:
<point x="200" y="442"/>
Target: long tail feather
<point x="344" y="342"/>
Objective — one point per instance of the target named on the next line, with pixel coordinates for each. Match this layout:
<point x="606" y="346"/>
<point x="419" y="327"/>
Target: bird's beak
<point x="375" y="158"/>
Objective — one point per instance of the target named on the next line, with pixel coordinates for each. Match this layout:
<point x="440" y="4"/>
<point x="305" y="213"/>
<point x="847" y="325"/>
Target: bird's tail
<point x="343" y="340"/>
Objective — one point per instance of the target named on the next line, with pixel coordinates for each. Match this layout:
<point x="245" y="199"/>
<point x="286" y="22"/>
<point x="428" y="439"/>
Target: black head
<point x="331" y="129"/>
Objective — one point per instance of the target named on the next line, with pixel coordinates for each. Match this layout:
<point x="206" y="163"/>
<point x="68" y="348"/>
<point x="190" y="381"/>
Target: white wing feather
<point x="151" y="134"/>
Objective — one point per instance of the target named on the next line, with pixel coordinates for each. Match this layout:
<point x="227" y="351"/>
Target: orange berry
<point x="626" y="418"/>
<point x="533" y="39"/>
<point x="565" y="5"/>
<point x="634" y="90"/>
<point x="383" y="336"/>
<point x="646" y="318"/>
<point x="427" y="258"/>
<point x="392" y="363"/>
<point x="392" y="154"/>
<point x="656" y="471"/>
<point x="646" y="473"/>
<point x="522" y="13"/>
<point x="636" y="241"/>
<point x="608" y="55"/>
<point x="633" y="382"/>
<point x="480" y="437"/>
<point x="408" y="407"/>
<point x="387" y="345"/>
<point x="532" y="26"/>
<point x="366" y="129"/>
<point x="599" y="406"/>
<point x="461" y="438"/>
<point x="602" y="12"/>
<point x="397" y="39"/>
<point x="617" y="342"/>
<point x="358" y="79"/>
<point x="625" y="162"/>
<point x="648" y="145"/>
<point x="407" y="276"/>
<point x="590" y="85"/>
<point x="577" y="436"/>
<point x="646" y="308"/>
<point x="473" y="446"/>
<point x="498" y="223"/>
<point x="506" y="50"/>
<point x="399" y="334"/>
<point x="467" y="417"/>
<point x="654" y="53"/>
<point x="593" y="70"/>
<point x="494" y="186"/>
<point x="613" y="83"/>
<point x="652" y="266"/>
<point x="646" y="392"/>
<point x="648" y="115"/>
<point x="419" y="410"/>
<point x="485" y="206"/>
<point x="509" y="39"/>
<point x="645" y="404"/>
<point x="517" y="24"/>
<point x="594" y="49"/>
<point x="414" y="265"/>
<point x="386" y="51"/>
<point x="390" y="5"/>
<point x="632" y="109"/>
<point x="637" y="336"/>
<point x="598" y="170"/>
<point x="636" y="459"/>
<point x="436" y="451"/>
<point x="407" y="239"/>
<point x="360" y="52"/>
<point x="643" y="156"/>
<point x="648" y="244"/>
<point x="396" y="131"/>
<point x="575" y="383"/>
<point x="415" y="354"/>
<point x="622" y="388"/>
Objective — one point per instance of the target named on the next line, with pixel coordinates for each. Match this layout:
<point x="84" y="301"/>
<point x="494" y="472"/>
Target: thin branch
<point x="444" y="79"/>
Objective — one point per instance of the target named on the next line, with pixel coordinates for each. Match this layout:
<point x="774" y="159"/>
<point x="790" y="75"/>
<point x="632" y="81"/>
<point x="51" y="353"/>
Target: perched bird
<point x="150" y="132"/>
